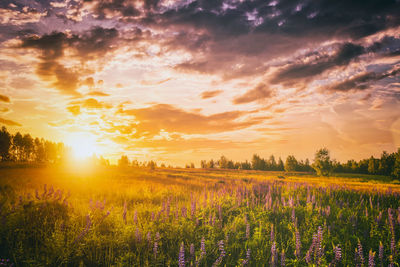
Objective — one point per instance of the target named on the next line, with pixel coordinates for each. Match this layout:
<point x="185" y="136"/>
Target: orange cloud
<point x="9" y="122"/>
<point x="4" y="98"/>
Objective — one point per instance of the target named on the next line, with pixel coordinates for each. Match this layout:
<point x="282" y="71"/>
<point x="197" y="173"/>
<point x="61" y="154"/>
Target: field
<point x="195" y="217"/>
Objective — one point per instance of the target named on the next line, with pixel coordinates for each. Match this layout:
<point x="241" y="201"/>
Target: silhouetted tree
<point x="281" y="166"/>
<point x="203" y="164"/>
<point x="123" y="161"/>
<point x="5" y="144"/>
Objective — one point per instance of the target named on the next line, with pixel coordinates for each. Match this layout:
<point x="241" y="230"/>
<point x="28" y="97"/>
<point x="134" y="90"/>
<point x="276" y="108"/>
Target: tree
<point x="211" y="164"/>
<point x="123" y="161"/>
<point x="203" y="164"/>
<point x="5" y="144"/>
<point x="291" y="164"/>
<point x="322" y="162"/>
<point x="280" y="166"/>
<point x="152" y="165"/>
<point x="223" y="162"/>
<point x="396" y="167"/>
<point x="373" y="165"/>
<point x="18" y="146"/>
<point x="272" y="163"/>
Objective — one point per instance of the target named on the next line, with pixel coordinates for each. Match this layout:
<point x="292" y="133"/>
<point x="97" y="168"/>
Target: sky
<point x="181" y="81"/>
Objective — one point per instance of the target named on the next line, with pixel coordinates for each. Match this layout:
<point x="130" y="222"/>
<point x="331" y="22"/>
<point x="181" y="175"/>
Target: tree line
<point x="24" y="148"/>
<point x="387" y="164"/>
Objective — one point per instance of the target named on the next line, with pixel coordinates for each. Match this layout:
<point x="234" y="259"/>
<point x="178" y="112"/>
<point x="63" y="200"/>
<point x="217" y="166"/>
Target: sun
<point x="83" y="146"/>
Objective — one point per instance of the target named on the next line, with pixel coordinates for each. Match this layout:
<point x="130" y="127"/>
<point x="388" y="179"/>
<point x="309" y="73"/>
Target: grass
<point x="59" y="216"/>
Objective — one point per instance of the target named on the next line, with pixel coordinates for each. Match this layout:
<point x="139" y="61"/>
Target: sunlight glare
<point x="83" y="146"/>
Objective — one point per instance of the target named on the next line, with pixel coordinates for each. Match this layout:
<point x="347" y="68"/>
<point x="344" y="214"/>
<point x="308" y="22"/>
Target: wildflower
<point x="283" y="258"/>
<point x="380" y="255"/>
<point x="273" y="255"/>
<point x="247" y="260"/>
<point x="298" y="245"/>
<point x="84" y="232"/>
<point x="247" y="230"/>
<point x="371" y="262"/>
<point x="202" y="251"/>
<point x="181" y="261"/>
<point x="222" y="253"/>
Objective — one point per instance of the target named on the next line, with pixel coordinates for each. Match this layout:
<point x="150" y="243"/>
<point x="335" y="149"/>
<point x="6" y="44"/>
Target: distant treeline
<point x="387" y="164"/>
<point x="25" y="148"/>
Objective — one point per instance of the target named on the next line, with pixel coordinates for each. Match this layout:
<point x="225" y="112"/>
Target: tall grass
<point x="178" y="217"/>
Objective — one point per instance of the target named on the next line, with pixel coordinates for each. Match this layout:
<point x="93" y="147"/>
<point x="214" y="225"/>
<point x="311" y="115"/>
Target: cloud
<point x="4" y="98"/>
<point x="295" y="72"/>
<point x="9" y="122"/>
<point x="210" y="94"/>
<point x="260" y="92"/>
<point x="154" y="82"/>
<point x="76" y="107"/>
<point x="151" y="120"/>
<point x="93" y="43"/>
<point x="98" y="93"/>
<point x="20" y="17"/>
<point x="361" y="81"/>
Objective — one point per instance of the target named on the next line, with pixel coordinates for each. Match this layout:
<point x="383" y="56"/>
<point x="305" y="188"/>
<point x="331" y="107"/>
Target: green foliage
<point x="322" y="162"/>
<point x="117" y="221"/>
<point x="291" y="164"/>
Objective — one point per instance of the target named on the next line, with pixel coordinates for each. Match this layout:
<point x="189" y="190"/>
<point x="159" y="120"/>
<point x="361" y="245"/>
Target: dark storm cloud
<point x="361" y="81"/>
<point x="302" y="71"/>
<point x="93" y="43"/>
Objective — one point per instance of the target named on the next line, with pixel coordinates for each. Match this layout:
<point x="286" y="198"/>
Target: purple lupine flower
<point x="247" y="260"/>
<point x="391" y="264"/>
<point x="338" y="254"/>
<point x="135" y="217"/>
<point x="380" y="252"/>
<point x="191" y="250"/>
<point x="283" y="258"/>
<point x="84" y="232"/>
<point x="181" y="261"/>
<point x="371" y="261"/>
<point x="37" y="194"/>
<point x="293" y="215"/>
<point x="273" y="254"/>
<point x="168" y="208"/>
<point x="359" y="255"/>
<point x="222" y="253"/>
<point x="393" y="245"/>
<point x="138" y="235"/>
<point x="184" y="212"/>
<point x="148" y="238"/>
<point x="297" y="252"/>
<point x="318" y="249"/>
<point x="193" y="208"/>
<point x="202" y="251"/>
<point x="124" y="212"/>
<point x="272" y="233"/>
<point x="308" y="257"/>
<point x="247" y="231"/>
<point x="155" y="249"/>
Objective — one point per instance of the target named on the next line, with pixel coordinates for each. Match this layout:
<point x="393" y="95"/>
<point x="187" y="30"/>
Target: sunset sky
<point x="181" y="81"/>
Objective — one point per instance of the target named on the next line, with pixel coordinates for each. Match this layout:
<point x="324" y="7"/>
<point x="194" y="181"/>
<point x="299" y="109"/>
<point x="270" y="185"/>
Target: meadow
<point x="109" y="216"/>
